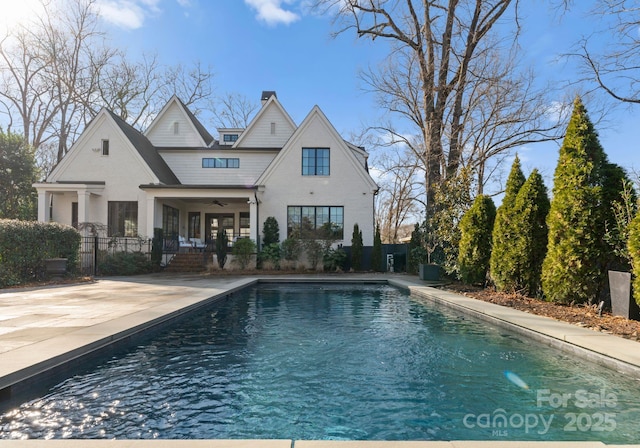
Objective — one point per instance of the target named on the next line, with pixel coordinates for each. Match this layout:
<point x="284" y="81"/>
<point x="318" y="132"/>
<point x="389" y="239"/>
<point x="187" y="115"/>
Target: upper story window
<point x="176" y="128"/>
<point x="220" y="163"/>
<point x="105" y="147"/>
<point x="315" y="161"/>
<point x="273" y="128"/>
<point x="230" y="138"/>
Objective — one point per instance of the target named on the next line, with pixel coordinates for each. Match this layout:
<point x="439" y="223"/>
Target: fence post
<point x="95" y="255"/>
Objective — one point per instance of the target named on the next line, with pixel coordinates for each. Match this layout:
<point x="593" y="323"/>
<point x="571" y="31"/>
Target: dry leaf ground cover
<point x="582" y="315"/>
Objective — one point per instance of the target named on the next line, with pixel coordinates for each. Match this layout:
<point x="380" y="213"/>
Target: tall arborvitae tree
<point x="476" y="227"/>
<point x="501" y="267"/>
<point x="529" y="245"/>
<point x="572" y="270"/>
<point x="633" y="245"/>
<point x="356" y="248"/>
<point x="376" y="255"/>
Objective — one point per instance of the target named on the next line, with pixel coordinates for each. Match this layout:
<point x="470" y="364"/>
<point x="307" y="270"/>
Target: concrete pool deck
<point x="51" y="327"/>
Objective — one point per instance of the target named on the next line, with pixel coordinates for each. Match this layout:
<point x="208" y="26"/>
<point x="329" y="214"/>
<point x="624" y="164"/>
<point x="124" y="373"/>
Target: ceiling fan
<point x="217" y="202"/>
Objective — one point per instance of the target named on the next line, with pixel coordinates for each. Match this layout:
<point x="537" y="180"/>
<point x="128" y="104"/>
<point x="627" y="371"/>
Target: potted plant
<point x="621" y="237"/>
<point x="424" y="244"/>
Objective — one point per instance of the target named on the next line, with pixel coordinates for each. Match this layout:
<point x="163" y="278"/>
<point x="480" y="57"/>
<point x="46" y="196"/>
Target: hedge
<point x="25" y="245"/>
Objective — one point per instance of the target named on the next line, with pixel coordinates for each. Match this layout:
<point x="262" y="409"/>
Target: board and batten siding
<point x="286" y="186"/>
<point x="187" y="166"/>
<point x="260" y="135"/>
<point x="163" y="133"/>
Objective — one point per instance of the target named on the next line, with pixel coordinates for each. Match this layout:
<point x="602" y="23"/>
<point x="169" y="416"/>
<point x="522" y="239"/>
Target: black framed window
<point x="245" y="225"/>
<point x="194" y="224"/>
<point x="122" y="218"/>
<point x="315" y="161"/>
<point x="74" y="215"/>
<point x="220" y="163"/>
<point x="105" y="147"/>
<point x="316" y="222"/>
<point x="230" y="137"/>
<point x="170" y="222"/>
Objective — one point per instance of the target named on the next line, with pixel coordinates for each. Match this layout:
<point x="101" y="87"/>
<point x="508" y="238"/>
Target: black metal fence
<point x="95" y="250"/>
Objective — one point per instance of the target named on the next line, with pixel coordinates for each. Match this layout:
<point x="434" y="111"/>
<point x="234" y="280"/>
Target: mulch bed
<point x="581" y="315"/>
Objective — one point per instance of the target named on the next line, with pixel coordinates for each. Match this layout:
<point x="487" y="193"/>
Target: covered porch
<point x="190" y="216"/>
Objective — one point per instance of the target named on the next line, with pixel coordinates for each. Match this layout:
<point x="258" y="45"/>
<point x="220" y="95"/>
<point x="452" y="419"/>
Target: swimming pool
<point x="336" y="362"/>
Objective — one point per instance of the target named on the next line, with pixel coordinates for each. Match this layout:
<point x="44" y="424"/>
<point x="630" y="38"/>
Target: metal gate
<point x="94" y="250"/>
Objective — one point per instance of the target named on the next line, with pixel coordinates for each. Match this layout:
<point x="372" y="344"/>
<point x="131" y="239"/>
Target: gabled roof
<point x="317" y="114"/>
<point x="272" y="101"/>
<point x="147" y="151"/>
<point x="202" y="132"/>
<point x="206" y="136"/>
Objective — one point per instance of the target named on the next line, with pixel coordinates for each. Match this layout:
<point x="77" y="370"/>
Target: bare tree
<point x="57" y="72"/>
<point x="399" y="194"/>
<point x="234" y="111"/>
<point x="438" y="41"/>
<point x="616" y="67"/>
<point x="504" y="111"/>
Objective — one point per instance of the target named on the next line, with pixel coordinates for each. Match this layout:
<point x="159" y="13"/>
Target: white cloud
<point x="271" y="11"/>
<point x="127" y="13"/>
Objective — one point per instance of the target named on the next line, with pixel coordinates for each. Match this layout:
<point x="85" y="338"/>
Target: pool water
<point x="336" y="362"/>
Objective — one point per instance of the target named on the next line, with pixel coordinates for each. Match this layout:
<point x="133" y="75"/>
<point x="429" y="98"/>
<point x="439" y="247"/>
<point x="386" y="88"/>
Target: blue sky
<point x="255" y="45"/>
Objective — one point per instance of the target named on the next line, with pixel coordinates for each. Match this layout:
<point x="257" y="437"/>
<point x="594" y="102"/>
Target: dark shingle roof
<point x="208" y="138"/>
<point x="147" y="151"/>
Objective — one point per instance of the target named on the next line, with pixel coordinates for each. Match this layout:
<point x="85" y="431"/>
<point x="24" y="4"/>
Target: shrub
<point x="313" y="249"/>
<point x="126" y="263"/>
<point x="291" y="250"/>
<point x="222" y="243"/>
<point x="156" y="247"/>
<point x="271" y="254"/>
<point x="376" y="255"/>
<point x="334" y="259"/>
<point x="476" y="227"/>
<point x="242" y="251"/>
<point x="501" y="265"/>
<point x="356" y="248"/>
<point x="572" y="270"/>
<point x="24" y="245"/>
<point x="270" y="231"/>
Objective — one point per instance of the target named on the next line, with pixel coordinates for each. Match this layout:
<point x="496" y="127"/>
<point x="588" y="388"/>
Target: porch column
<point x="44" y="198"/>
<point x="151" y="215"/>
<point x="253" y="220"/>
<point x="83" y="206"/>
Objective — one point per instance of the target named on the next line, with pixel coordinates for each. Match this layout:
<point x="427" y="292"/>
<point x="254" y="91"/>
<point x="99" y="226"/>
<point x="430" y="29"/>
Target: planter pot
<point x="429" y="272"/>
<point x="55" y="266"/>
<point x="622" y="304"/>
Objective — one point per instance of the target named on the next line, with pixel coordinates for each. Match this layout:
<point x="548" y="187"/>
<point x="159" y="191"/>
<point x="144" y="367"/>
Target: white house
<point x="180" y="178"/>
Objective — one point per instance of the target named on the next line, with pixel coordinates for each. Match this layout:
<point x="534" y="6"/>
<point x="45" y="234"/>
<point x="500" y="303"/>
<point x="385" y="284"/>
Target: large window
<point x="170" y="222"/>
<point x="194" y="224"/>
<point x="245" y="225"/>
<point x="220" y="163"/>
<point x="315" y="161"/>
<point x="315" y="222"/>
<point x="123" y="218"/>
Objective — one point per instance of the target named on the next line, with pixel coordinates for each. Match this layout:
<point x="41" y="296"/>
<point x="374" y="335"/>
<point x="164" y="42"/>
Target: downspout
<point x="255" y="195"/>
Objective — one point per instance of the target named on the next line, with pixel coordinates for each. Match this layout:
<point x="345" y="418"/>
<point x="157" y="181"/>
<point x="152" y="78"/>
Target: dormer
<point x="228" y="136"/>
